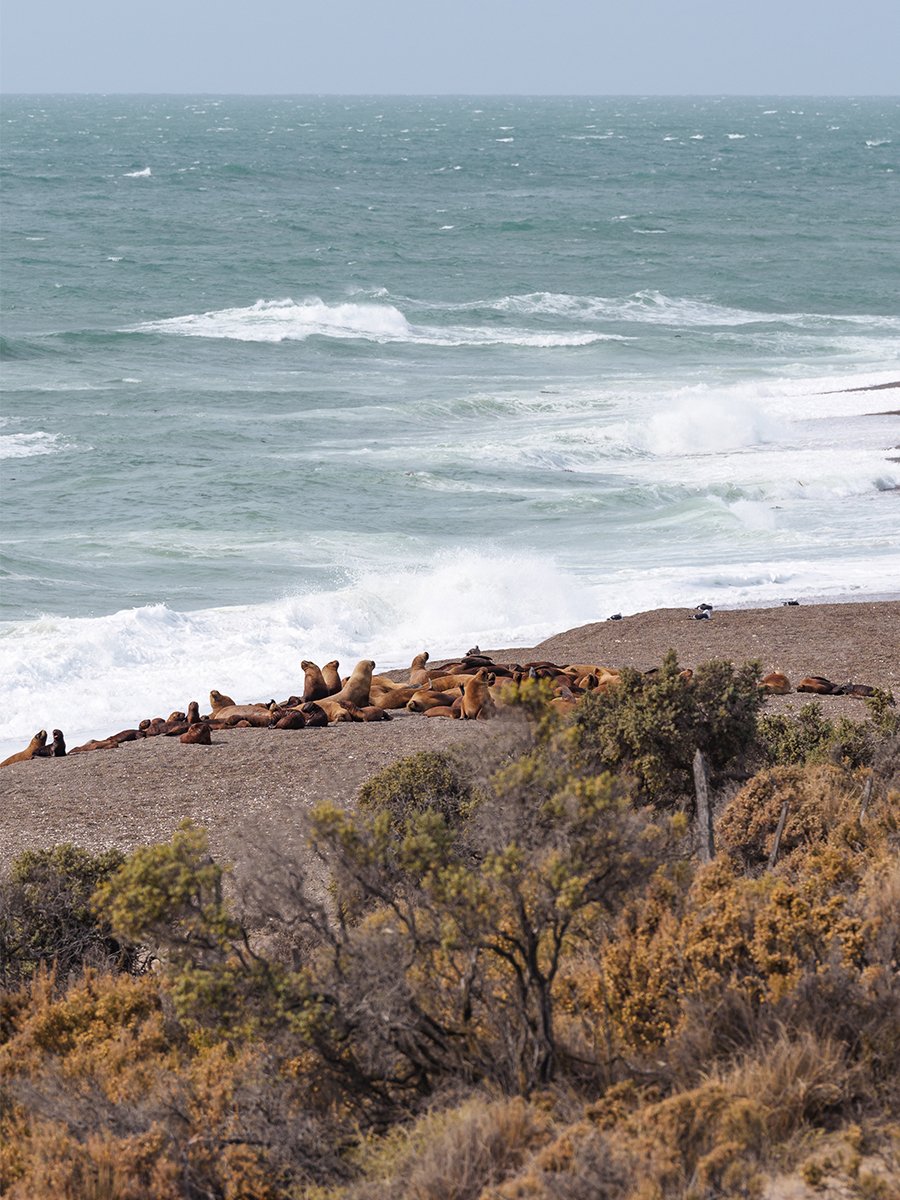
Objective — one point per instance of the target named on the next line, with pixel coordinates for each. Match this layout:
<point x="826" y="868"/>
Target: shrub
<point x="427" y="781"/>
<point x="818" y="798"/>
<point x="811" y="737"/>
<point x="653" y="725"/>
<point x="46" y="915"/>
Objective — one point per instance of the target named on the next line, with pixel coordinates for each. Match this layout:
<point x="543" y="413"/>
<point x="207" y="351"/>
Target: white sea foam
<point x="27" y="445"/>
<point x="704" y="426"/>
<point x="144" y="174"/>
<point x="287" y="320"/>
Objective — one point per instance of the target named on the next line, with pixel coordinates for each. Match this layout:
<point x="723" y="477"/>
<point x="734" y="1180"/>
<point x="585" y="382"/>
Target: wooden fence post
<point x="778" y="832"/>
<point x="704" y="809"/>
<point x="866" y="796"/>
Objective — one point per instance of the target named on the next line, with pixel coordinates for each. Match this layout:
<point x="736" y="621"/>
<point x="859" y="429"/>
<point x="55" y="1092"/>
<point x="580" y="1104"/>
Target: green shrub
<point x="46" y="915"/>
<point x="653" y="725"/>
<point x="810" y="737"/>
<point x="424" y="782"/>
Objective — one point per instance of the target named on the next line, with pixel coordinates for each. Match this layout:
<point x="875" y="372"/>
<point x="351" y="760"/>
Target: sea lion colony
<point x="467" y="689"/>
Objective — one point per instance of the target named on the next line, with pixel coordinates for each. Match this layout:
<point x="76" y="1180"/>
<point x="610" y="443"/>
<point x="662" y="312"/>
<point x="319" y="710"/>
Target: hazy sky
<point x="596" y="47"/>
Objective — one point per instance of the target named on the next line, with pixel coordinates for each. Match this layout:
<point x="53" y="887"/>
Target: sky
<point x="478" y="47"/>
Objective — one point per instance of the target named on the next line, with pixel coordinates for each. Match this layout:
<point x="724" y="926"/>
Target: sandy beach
<point x="251" y="785"/>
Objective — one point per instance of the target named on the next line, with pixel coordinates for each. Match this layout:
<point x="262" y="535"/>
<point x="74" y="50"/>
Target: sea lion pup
<point x="477" y="702"/>
<point x="774" y="684"/>
<point x="314" y="685"/>
<point x="38" y="742"/>
<point x="418" y="675"/>
<point x="426" y="698"/>
<point x="217" y="701"/>
<point x="193" y="713"/>
<point x="817" y="684"/>
<point x="358" y="687"/>
<point x="331" y="677"/>
<point x="197" y="735"/>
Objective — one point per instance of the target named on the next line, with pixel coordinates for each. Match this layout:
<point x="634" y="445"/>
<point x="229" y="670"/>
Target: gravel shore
<point x="252" y="785"/>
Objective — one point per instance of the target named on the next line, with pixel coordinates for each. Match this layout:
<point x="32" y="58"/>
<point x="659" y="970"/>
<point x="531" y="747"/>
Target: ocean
<point x="326" y="377"/>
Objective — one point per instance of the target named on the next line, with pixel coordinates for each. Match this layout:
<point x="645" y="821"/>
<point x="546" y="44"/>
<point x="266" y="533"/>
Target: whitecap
<point x="145" y="174"/>
<point x="28" y="445"/>
<point x="873" y="142"/>
<point x="735" y="137"/>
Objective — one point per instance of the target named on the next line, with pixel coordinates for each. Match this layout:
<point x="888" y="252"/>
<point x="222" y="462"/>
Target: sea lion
<point x="358" y="687"/>
<point x="443" y="711"/>
<point x="256" y="715"/>
<point x="418" y="675"/>
<point x="775" y="684"/>
<point x="193" y="713"/>
<point x="817" y="684"/>
<point x="860" y="690"/>
<point x="56" y="749"/>
<point x="197" y="735"/>
<point x="331" y="677"/>
<point x="477" y="702"/>
<point x="449" y="683"/>
<point x="395" y="698"/>
<point x="314" y="716"/>
<point x="291" y="720"/>
<point x="38" y="742"/>
<point x="337" y="710"/>
<point x="217" y="701"/>
<point x="96" y="744"/>
<point x="314" y="685"/>
<point x="426" y="698"/>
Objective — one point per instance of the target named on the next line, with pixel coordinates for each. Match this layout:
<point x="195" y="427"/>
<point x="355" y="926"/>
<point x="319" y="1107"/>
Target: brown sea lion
<point x="817" y="684"/>
<point x="96" y="744"/>
<point x="193" y="713"/>
<point x="128" y="735"/>
<point x="338" y="711"/>
<point x="331" y="677"/>
<point x="371" y="712"/>
<point x="443" y="711"/>
<point x="256" y="715"/>
<point x="217" y="701"/>
<point x="859" y="690"/>
<point x="395" y="698"/>
<point x="197" y="734"/>
<point x="55" y="749"/>
<point x="774" y="684"/>
<point x="425" y="698"/>
<point x="314" y="716"/>
<point x="358" y="687"/>
<point x="314" y="685"/>
<point x="449" y="683"/>
<point x="38" y="742"/>
<point x="477" y="702"/>
<point x="418" y="675"/>
<point x="291" y="720"/>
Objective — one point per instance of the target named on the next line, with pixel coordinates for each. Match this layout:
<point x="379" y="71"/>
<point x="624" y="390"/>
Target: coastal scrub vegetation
<point x="510" y="979"/>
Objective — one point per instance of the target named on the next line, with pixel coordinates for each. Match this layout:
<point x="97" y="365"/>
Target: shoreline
<point x="254" y="784"/>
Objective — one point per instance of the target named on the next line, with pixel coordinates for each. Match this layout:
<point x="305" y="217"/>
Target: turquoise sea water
<point x="290" y="377"/>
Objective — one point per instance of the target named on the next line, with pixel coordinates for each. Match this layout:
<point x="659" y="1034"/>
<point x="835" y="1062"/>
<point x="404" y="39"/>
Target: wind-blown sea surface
<point x="320" y="377"/>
